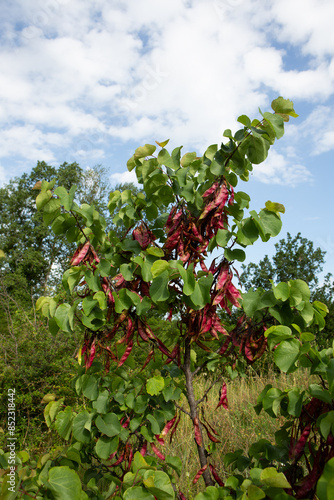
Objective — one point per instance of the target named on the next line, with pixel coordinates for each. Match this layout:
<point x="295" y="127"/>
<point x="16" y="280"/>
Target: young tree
<point x="161" y="263"/>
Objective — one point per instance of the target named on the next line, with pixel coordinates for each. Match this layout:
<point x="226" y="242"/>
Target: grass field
<point x="238" y="427"/>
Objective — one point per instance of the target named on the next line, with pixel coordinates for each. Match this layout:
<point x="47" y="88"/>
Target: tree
<point x="161" y="263"/>
<point x="295" y="258"/>
<point x="33" y="254"/>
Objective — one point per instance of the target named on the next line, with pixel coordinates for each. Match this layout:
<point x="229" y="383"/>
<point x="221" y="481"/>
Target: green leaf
<point x="286" y="354"/>
<point x="108" y="424"/>
<point x="43" y="198"/>
<point x="51" y="410"/>
<point x="295" y="404"/>
<point x="201" y="295"/>
<point x="251" y="301"/>
<point x="155" y="427"/>
<point x="236" y="254"/>
<point x="275" y="207"/>
<point x="282" y="291"/>
<point x="163" y="143"/>
<point x="105" y="446"/>
<point x="88" y="304"/>
<point x="255" y="493"/>
<point x="66" y="198"/>
<point x="248" y="232"/>
<point x="79" y="426"/>
<point x="176" y="463"/>
<point x="211" y="151"/>
<point x="318" y="392"/>
<point x="159" y="484"/>
<point x="210" y="493"/>
<point x="222" y="238"/>
<point x="270" y="477"/>
<point x="64" y="317"/>
<point x="64" y="483"/>
<point x="276" y="122"/>
<point x="245" y="120"/>
<point x="137" y="493"/>
<point x="144" y="151"/>
<point x="271" y="222"/>
<point x="102" y="402"/>
<point x="157" y="252"/>
<point x="155" y="385"/>
<point x="257" y="149"/>
<point x="277" y="334"/>
<point x="188" y="277"/>
<point x="144" y="306"/>
<point x="63" y="423"/>
<point x="325" y="485"/>
<point x="90" y="388"/>
<point x="159" y="288"/>
<point x="158" y="267"/>
<point x="187" y="159"/>
<point x="284" y="107"/>
<point x="299" y="291"/>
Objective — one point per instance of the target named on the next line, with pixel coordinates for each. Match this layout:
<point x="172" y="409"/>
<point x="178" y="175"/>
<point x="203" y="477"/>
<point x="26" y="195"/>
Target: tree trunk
<point x="194" y="414"/>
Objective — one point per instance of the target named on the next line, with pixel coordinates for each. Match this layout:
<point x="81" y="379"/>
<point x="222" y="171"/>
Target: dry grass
<point x="238" y="427"/>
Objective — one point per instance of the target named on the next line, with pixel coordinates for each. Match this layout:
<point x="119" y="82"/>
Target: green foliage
<point x="118" y="284"/>
<point x="295" y="259"/>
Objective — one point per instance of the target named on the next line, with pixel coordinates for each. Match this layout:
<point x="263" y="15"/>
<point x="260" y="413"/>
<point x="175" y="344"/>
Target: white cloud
<point x="144" y="71"/>
<point x="318" y="130"/>
<point x="124" y="177"/>
<point x="280" y="169"/>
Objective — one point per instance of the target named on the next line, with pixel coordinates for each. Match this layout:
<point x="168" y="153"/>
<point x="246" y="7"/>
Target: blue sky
<point x="89" y="81"/>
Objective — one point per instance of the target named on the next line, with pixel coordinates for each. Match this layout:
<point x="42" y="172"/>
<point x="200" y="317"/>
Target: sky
<point x="91" y="80"/>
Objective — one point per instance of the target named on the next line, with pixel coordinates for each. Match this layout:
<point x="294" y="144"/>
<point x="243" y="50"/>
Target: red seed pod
<point x="223" y="397"/>
<point x="163" y="349"/>
<point x="126" y="354"/>
<point x="211" y="190"/>
<point x="174" y="354"/>
<point x="143" y="449"/>
<point x="200" y="473"/>
<point x="215" y="476"/>
<point x="198" y="435"/>
<point x="94" y="254"/>
<point x="224" y="347"/>
<point x="181" y="495"/>
<point x="148" y="359"/>
<point x="210" y="436"/>
<point x="91" y="355"/>
<point x="142" y="333"/>
<point x="157" y="452"/>
<point x="126" y="423"/>
<point x="119" y="461"/>
<point x="130" y="458"/>
<point x="298" y="449"/>
<point x="159" y="439"/>
<point x="174" y="429"/>
<point x="168" y="426"/>
<point x="80" y="254"/>
<point x="233" y="295"/>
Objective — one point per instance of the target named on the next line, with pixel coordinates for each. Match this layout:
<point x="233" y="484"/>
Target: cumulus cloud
<point x="123" y="177"/>
<point x="281" y="169"/>
<point x="137" y="70"/>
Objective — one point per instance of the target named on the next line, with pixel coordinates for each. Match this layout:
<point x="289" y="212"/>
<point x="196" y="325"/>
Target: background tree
<point x="295" y="258"/>
<point x="34" y="256"/>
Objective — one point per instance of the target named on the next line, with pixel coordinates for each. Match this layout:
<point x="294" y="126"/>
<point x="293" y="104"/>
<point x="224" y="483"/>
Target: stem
<point x="202" y="454"/>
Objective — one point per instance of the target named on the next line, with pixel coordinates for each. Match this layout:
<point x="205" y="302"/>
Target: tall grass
<point x="238" y="427"/>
